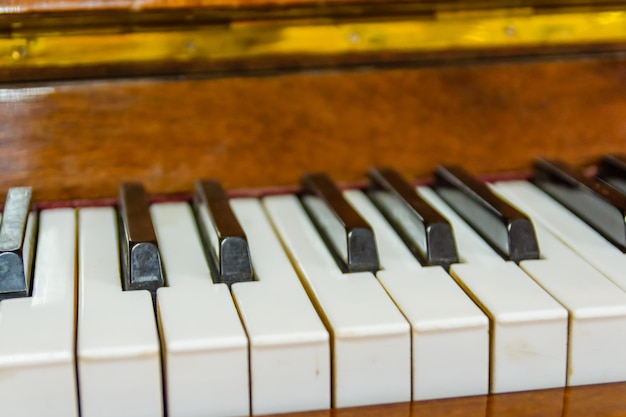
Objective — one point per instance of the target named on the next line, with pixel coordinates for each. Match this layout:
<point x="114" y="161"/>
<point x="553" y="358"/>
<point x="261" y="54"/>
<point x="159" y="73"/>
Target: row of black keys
<point x="600" y="201"/>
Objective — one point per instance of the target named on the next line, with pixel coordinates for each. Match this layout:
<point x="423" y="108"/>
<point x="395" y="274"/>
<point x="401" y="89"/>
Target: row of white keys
<point x="119" y="363"/>
<point x="37" y="362"/>
<point x="528" y="327"/>
<point x="574" y="232"/>
<point x="597" y="306"/>
<point x="289" y="345"/>
<point x="205" y="349"/>
<point x="371" y="355"/>
<point x="450" y="334"/>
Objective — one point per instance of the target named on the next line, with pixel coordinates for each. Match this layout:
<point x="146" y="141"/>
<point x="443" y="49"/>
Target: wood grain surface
<point x="79" y="140"/>
<point x="23" y="6"/>
<point x="589" y="401"/>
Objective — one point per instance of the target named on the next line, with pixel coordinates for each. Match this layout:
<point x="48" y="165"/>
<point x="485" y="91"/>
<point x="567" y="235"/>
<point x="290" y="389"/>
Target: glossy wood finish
<point x="590" y="401"/>
<point x="80" y="140"/>
<point x="29" y="6"/>
<point x="23" y="6"/>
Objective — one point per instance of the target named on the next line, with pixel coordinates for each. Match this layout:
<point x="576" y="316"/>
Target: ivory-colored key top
<point x="119" y="362"/>
<point x="289" y="345"/>
<point x="205" y="348"/>
<point x="568" y="228"/>
<point x="450" y="334"/>
<point x="37" y="362"/>
<point x="597" y="307"/>
<point x="528" y="327"/>
<point x="371" y="355"/>
<point x="597" y="329"/>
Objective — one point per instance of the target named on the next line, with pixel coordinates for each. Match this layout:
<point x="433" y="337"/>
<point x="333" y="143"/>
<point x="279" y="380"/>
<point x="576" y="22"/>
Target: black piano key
<point x="348" y="237"/>
<point x="598" y="204"/>
<point x="612" y="170"/>
<point x="140" y="257"/>
<point x="509" y="231"/>
<point x="14" y="263"/>
<point x="223" y="237"/>
<point x="422" y="228"/>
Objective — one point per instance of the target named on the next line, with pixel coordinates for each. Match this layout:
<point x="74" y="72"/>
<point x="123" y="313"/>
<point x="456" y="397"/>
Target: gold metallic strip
<point x="510" y="29"/>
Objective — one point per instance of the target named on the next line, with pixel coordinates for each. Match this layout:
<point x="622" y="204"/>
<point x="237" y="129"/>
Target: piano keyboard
<point x="290" y="303"/>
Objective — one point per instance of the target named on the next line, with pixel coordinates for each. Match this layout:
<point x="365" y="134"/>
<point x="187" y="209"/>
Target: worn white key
<point x="371" y="339"/>
<point x="597" y="329"/>
<point x="450" y="334"/>
<point x="37" y="374"/>
<point x="597" y="307"/>
<point x="575" y="233"/>
<point x="119" y="364"/>
<point x="289" y="345"/>
<point x="205" y="349"/>
<point x="528" y="327"/>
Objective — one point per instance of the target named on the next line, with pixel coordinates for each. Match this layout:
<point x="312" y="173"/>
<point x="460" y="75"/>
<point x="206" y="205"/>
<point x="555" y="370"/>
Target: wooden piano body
<point x="74" y="129"/>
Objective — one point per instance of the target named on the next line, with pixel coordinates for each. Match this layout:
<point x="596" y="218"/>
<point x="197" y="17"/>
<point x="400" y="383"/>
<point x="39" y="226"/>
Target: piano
<point x="254" y="94"/>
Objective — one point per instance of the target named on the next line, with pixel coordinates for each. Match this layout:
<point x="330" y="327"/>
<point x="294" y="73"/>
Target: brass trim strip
<point x="239" y="41"/>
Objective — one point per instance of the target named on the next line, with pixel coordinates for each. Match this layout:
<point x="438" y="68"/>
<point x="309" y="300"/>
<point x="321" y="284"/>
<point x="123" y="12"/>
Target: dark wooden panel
<point x="80" y="140"/>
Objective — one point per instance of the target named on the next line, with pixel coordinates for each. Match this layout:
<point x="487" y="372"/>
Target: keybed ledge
<point x="37" y="362"/>
<point x="423" y="229"/>
<point x="596" y="306"/>
<point x="450" y="334"/>
<point x="348" y="237"/>
<point x="528" y="327"/>
<point x="119" y="363"/>
<point x="205" y="349"/>
<point x="371" y="355"/>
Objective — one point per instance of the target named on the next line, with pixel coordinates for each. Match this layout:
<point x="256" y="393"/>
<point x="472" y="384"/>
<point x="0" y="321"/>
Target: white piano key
<point x="450" y="334"/>
<point x="371" y="339"/>
<point x="289" y="345"/>
<point x="528" y="327"/>
<point x="575" y="233"/>
<point x="119" y="363"/>
<point x="37" y="374"/>
<point x="204" y="343"/>
<point x="597" y="329"/>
